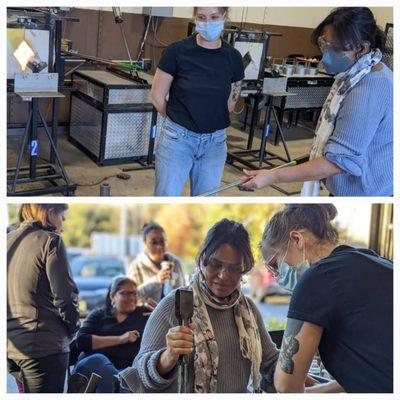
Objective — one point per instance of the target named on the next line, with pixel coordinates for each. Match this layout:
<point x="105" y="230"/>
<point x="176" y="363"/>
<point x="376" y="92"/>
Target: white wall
<point x="183" y="12"/>
<point x="305" y="17"/>
<point x="132" y="10"/>
<point x="383" y="15"/>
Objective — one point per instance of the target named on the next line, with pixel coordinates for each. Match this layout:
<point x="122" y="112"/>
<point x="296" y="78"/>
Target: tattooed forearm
<point x="290" y="345"/>
<point x="235" y="91"/>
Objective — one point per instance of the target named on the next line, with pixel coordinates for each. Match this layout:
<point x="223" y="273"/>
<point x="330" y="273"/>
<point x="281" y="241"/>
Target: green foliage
<point x="275" y="324"/>
<point x="83" y="219"/>
<point x="186" y="225"/>
<point x="12" y="213"/>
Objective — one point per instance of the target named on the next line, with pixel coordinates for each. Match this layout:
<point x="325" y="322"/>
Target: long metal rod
<point x="146" y="32"/>
<point x="125" y="42"/>
<point x="56" y="154"/>
<point x="279" y="127"/>
<point x="180" y="378"/>
<point x="21" y="152"/>
<point x="37" y="179"/>
<point x="240" y="182"/>
<point x="93" y="58"/>
<point x="66" y="190"/>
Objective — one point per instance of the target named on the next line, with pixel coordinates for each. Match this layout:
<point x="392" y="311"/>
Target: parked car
<point x="73" y="252"/>
<point x="93" y="275"/>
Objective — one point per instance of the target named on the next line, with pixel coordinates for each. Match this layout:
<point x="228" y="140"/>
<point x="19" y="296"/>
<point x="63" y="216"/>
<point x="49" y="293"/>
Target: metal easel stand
<point x="261" y="159"/>
<point x="149" y="163"/>
<point x="38" y="172"/>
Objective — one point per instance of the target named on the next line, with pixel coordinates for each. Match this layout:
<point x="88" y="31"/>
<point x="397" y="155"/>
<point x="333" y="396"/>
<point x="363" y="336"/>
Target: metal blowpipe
<point x="241" y="181"/>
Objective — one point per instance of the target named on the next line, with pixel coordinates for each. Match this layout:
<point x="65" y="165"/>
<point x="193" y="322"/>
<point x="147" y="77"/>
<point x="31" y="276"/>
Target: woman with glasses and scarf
<point x="109" y="338"/>
<point x="342" y="303"/>
<point x="227" y="343"/>
<point x="155" y="271"/>
<point x="201" y="76"/>
<point x="352" y="151"/>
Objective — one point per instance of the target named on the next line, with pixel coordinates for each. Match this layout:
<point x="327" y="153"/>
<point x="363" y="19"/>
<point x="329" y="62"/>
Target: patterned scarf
<point x="206" y="356"/>
<point x="344" y="82"/>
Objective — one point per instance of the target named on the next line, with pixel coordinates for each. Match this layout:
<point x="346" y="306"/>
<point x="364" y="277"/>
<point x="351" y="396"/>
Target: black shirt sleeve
<point x="88" y="328"/>
<point x="62" y="285"/>
<point x="313" y="299"/>
<point x="169" y="61"/>
<point x="238" y="68"/>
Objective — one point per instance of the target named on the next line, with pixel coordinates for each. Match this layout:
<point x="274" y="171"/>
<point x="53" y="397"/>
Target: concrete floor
<point x="84" y="172"/>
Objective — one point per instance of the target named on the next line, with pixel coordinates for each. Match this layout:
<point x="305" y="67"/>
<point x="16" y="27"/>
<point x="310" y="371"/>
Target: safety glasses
<point x="215" y="266"/>
<point x="333" y="46"/>
<point x="272" y="264"/>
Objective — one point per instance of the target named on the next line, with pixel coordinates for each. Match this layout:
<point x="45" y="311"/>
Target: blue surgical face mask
<point x="336" y="62"/>
<point x="210" y="31"/>
<point x="289" y="275"/>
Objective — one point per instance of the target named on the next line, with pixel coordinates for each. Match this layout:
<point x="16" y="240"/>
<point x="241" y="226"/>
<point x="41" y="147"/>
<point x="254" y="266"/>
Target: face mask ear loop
<point x="283" y="258"/>
<point x="304" y="250"/>
<point x="363" y="45"/>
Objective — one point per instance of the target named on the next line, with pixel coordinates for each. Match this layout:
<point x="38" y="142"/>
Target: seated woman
<point x="156" y="271"/>
<point x="342" y="303"/>
<point x="110" y="338"/>
<point x="227" y="343"/>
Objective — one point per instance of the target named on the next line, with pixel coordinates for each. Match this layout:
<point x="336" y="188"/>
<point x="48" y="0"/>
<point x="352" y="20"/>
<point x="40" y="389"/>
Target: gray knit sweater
<point x="233" y="369"/>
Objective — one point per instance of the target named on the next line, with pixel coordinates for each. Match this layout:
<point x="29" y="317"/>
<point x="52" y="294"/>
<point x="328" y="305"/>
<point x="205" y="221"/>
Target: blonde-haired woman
<point x="42" y="300"/>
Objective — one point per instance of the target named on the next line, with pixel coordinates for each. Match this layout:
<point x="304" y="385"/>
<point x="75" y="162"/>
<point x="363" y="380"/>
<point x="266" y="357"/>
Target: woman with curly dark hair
<point x="227" y="343"/>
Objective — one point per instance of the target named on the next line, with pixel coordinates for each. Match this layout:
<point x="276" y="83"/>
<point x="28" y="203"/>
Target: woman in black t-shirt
<point x="342" y="303"/>
<point x="201" y="75"/>
<point x="109" y="338"/>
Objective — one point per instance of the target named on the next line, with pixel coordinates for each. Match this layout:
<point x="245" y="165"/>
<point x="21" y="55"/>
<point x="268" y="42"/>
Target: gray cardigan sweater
<point x="233" y="370"/>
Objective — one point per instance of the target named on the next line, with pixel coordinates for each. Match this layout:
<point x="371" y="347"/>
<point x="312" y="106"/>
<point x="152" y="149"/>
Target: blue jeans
<point x="181" y="153"/>
<point x="102" y="366"/>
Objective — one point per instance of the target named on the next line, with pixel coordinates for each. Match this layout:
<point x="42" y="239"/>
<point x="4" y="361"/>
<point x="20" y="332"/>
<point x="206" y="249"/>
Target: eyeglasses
<point x="215" y="266"/>
<point x="211" y="18"/>
<point x="162" y="243"/>
<point x="126" y="293"/>
<point x="272" y="265"/>
<point x="335" y="46"/>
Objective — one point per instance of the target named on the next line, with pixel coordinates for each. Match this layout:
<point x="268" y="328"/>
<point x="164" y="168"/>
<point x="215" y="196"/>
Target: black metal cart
<point x="112" y="119"/>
